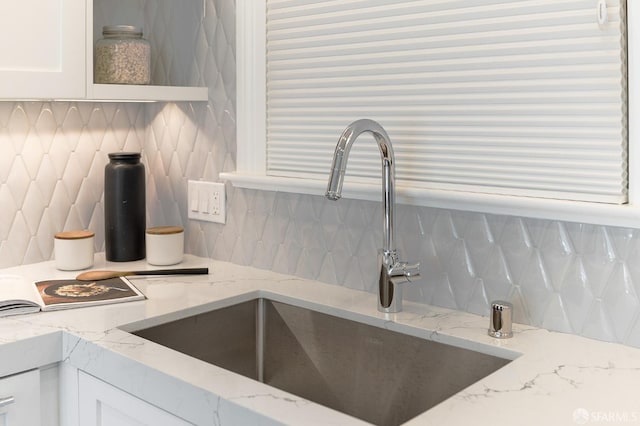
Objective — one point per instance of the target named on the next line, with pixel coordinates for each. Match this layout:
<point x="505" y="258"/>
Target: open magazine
<point x="19" y="296"/>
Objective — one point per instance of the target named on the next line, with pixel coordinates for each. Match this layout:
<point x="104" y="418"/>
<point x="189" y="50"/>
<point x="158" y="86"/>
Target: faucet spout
<point x="391" y="270"/>
<point x="339" y="166"/>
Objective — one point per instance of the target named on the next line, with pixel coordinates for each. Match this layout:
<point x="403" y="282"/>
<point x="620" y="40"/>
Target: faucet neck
<point x="388" y="200"/>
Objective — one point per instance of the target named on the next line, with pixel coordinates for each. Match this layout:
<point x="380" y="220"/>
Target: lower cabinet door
<point x="20" y="399"/>
<point x="102" y="404"/>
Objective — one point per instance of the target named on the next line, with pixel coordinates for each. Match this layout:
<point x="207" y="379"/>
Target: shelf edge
<point x="124" y="92"/>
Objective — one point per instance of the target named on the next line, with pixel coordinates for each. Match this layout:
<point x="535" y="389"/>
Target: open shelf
<point x="171" y="28"/>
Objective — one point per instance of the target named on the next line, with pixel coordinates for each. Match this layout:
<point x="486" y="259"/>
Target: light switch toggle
<point x="193" y="199"/>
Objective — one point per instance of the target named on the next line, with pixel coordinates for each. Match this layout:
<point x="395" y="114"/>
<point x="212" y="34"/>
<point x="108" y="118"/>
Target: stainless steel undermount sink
<point x="377" y="375"/>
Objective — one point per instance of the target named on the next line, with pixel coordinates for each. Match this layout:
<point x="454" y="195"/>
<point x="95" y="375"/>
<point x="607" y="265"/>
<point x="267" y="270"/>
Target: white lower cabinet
<point x="101" y="404"/>
<point x="20" y="399"/>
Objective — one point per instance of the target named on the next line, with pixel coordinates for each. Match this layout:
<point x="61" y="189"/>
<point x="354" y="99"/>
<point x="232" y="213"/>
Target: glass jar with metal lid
<point x="122" y="56"/>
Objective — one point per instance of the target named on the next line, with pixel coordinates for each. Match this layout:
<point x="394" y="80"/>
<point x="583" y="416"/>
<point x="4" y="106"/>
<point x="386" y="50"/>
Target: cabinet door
<point x="42" y="49"/>
<point x="104" y="405"/>
<point x="20" y="399"/>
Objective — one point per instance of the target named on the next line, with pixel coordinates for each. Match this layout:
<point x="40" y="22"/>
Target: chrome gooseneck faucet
<point x="392" y="272"/>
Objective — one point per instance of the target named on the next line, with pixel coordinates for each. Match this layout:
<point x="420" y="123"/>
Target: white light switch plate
<point x="206" y="201"/>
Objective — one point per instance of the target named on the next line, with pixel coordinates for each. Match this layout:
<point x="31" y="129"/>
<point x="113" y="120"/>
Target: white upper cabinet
<point x="47" y="49"/>
<point x="43" y="49"/>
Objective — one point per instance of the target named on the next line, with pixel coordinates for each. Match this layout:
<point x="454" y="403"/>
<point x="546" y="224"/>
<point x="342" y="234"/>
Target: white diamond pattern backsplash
<point x="52" y="171"/>
<point x="567" y="277"/>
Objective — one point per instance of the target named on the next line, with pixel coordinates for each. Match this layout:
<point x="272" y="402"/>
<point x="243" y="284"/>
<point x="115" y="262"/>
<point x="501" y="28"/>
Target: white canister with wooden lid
<point x="165" y="245"/>
<point x="73" y="250"/>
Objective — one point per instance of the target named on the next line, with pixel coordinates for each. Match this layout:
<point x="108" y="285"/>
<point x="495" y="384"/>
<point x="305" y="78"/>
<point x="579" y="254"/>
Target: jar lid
<point x="164" y="230"/>
<point x="74" y="235"/>
<point x="124" y="155"/>
<point x="119" y="29"/>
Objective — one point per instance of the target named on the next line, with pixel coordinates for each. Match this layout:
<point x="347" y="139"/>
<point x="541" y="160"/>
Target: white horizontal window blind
<point x="522" y="97"/>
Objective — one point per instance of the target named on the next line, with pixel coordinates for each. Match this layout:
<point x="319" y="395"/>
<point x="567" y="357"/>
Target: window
<point x="493" y="106"/>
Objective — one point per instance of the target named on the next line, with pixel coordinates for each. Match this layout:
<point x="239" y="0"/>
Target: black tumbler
<point x="124" y="207"/>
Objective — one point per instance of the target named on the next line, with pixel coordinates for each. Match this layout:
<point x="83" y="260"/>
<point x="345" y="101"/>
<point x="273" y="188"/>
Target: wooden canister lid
<point x="165" y="230"/>
<point x="74" y="235"/>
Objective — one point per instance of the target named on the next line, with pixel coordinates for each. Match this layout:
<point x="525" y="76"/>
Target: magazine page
<point x="17" y="296"/>
<point x="65" y="294"/>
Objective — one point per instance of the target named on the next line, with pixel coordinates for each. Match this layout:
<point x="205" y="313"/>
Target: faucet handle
<point x="406" y="270"/>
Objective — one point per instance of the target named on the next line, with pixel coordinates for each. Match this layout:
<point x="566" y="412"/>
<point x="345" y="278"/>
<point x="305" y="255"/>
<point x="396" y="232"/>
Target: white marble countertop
<point x="555" y="379"/>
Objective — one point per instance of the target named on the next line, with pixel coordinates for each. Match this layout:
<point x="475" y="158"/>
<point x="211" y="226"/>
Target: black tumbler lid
<point x="124" y="156"/>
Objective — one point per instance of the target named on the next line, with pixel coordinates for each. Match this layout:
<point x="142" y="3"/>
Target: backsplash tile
<point x="53" y="161"/>
<point x="562" y="276"/>
<point x="568" y="277"/>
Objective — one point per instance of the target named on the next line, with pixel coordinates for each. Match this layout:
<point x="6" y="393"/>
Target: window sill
<point x="568" y="211"/>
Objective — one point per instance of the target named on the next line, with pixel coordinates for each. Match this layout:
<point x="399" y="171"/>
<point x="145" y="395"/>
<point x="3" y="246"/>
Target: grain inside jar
<point x="122" y="56"/>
